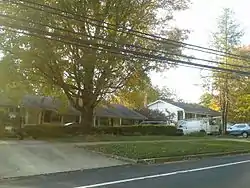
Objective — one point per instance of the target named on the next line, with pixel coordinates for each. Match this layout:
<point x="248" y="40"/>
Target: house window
<point x="78" y="119"/>
<point x="13" y="109"/>
<point x="55" y="117"/>
<point x="180" y="115"/>
<point x="190" y="115"/>
<point x="104" y="121"/>
<point x="50" y="116"/>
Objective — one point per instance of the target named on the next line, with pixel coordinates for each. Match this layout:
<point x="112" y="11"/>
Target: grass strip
<point x="168" y="149"/>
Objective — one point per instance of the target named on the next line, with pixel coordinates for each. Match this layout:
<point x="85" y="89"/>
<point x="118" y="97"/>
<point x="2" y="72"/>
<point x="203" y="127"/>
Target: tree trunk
<point x="226" y="108"/>
<point x="222" y="103"/>
<point x="87" y="113"/>
<point x="223" y="121"/>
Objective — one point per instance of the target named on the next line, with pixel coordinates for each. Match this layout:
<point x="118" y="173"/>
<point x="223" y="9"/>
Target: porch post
<point x="120" y="122"/>
<point x="80" y="119"/>
<point x="94" y="121"/>
<point x="62" y="119"/>
<point x="26" y="116"/>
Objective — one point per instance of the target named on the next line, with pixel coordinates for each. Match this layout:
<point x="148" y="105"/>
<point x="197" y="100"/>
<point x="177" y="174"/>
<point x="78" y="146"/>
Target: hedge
<point x="138" y="130"/>
<point x="43" y="131"/>
<point x="47" y="131"/>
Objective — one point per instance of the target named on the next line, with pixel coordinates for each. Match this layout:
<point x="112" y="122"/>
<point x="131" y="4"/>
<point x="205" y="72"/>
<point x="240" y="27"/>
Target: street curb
<point x="170" y="159"/>
<point x="189" y="157"/>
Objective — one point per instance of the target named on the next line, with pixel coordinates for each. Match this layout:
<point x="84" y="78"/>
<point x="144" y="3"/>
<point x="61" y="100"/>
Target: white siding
<point x="163" y="106"/>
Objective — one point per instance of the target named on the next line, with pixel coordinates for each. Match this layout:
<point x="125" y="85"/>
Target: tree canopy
<point x="227" y="38"/>
<point x="210" y="101"/>
<point x="239" y="90"/>
<point x="78" y="48"/>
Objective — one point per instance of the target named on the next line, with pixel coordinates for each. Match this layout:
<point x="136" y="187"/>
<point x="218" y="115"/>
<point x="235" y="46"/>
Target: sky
<point x="200" y="19"/>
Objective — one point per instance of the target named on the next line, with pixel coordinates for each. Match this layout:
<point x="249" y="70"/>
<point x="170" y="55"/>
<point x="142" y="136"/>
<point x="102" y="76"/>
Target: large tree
<point x="210" y="101"/>
<point x="137" y="92"/>
<point x="227" y="38"/>
<point x="77" y="52"/>
<point x="239" y="89"/>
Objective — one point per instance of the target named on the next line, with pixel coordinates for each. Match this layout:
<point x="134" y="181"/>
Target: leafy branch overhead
<point x="83" y="51"/>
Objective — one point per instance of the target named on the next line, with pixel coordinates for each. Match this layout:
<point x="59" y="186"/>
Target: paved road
<point x="228" y="172"/>
<point x="37" y="157"/>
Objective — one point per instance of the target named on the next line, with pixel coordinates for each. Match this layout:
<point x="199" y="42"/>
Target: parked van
<point x="207" y="125"/>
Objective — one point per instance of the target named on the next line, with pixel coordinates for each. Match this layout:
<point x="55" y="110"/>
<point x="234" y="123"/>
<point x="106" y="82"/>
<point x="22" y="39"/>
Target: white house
<point x="182" y="110"/>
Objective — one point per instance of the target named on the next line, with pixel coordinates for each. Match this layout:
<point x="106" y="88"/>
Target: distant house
<point x="47" y="110"/>
<point x="182" y="110"/>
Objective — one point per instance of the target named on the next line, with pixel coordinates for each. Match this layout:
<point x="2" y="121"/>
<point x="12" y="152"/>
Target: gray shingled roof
<point x="105" y="111"/>
<point x="126" y="112"/>
<point x="194" y="108"/>
<point x="118" y="111"/>
<point x="50" y="103"/>
<point x="33" y="101"/>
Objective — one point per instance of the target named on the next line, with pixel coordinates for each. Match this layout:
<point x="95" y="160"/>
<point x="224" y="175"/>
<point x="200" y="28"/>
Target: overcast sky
<point x="201" y="20"/>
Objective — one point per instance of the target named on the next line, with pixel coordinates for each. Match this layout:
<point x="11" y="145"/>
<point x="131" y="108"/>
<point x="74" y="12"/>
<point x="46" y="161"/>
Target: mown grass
<point x="169" y="149"/>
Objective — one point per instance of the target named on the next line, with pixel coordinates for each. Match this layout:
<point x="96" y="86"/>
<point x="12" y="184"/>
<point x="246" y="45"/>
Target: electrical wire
<point x="125" y="44"/>
<point x="122" y="51"/>
<point x="61" y="13"/>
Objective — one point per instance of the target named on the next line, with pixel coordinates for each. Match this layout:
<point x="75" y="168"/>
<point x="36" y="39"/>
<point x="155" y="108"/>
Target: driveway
<point x="26" y="158"/>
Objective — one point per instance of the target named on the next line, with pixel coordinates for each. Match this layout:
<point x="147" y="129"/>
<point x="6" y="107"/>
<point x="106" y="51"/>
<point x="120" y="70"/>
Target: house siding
<point x="163" y="106"/>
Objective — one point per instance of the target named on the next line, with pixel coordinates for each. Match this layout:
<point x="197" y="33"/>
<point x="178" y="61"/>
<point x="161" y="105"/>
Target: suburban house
<point x="182" y="110"/>
<point x="47" y="110"/>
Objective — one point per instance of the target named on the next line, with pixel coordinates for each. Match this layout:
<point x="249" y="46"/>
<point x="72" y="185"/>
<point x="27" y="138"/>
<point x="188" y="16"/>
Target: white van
<point x="199" y="125"/>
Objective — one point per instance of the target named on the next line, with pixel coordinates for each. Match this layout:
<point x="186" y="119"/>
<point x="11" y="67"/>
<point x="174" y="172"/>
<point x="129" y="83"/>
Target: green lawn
<point x="103" y="138"/>
<point x="169" y="149"/>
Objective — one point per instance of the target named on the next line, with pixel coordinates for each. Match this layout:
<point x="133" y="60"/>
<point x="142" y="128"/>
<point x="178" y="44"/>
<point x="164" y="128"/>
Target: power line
<point x="126" y="44"/>
<point x="131" y="30"/>
<point x="162" y="40"/>
<point x="34" y="35"/>
<point x="229" y="78"/>
<point x="158" y="58"/>
<point x="139" y="54"/>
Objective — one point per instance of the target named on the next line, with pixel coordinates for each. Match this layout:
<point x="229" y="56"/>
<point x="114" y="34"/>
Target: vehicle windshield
<point x="124" y="93"/>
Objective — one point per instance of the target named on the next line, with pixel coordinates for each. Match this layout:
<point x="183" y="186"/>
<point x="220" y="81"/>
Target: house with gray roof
<point x="49" y="110"/>
<point x="183" y="110"/>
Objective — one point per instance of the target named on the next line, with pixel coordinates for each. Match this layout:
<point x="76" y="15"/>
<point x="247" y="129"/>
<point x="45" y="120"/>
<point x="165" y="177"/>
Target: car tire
<point x="244" y="134"/>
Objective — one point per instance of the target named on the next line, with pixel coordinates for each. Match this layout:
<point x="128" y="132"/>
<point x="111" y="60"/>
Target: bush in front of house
<point x="44" y="131"/>
<point x="137" y="130"/>
<point x="52" y="131"/>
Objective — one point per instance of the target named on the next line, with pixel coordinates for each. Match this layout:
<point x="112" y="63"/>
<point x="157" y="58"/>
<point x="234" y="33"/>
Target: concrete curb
<point x="170" y="159"/>
<point x="189" y="157"/>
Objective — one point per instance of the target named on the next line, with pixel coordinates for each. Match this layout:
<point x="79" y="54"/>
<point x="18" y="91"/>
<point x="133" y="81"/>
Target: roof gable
<point x="194" y="108"/>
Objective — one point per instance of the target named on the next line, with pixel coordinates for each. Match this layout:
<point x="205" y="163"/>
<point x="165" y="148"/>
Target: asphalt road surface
<point x="220" y="172"/>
